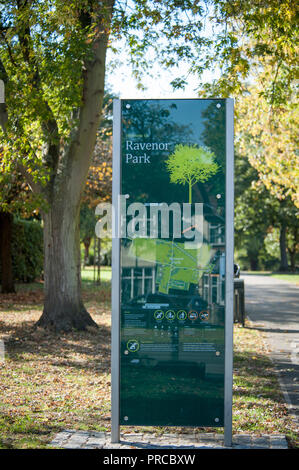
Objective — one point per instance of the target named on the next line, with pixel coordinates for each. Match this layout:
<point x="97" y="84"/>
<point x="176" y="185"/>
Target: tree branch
<point x="80" y="150"/>
<point x="34" y="185"/>
<point x="48" y="123"/>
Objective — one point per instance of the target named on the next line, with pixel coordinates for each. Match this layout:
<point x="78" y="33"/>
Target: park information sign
<point x="172" y="263"/>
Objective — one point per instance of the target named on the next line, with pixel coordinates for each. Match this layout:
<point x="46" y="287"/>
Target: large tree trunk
<point x="63" y="306"/>
<point x="283" y="248"/>
<point x="7" y="281"/>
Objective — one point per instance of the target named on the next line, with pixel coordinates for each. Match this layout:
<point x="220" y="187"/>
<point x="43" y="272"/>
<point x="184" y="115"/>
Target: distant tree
<point x="268" y="134"/>
<point x="254" y="212"/>
<point x="257" y="212"/>
<point x="191" y="164"/>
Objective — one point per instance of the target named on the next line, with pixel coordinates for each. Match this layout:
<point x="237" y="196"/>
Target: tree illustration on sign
<point x="189" y="164"/>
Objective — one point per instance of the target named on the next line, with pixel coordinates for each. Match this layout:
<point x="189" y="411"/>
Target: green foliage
<point x="270" y="253"/>
<point x="269" y="137"/>
<point x="250" y="35"/>
<point x="190" y="164"/>
<point x="27" y="250"/>
<point x="256" y="42"/>
<point x="253" y="210"/>
<point x="259" y="216"/>
<point x="42" y="55"/>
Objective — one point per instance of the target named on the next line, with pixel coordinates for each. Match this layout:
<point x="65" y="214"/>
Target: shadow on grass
<point x="27" y="343"/>
<point x="24" y="341"/>
<point x="43" y="375"/>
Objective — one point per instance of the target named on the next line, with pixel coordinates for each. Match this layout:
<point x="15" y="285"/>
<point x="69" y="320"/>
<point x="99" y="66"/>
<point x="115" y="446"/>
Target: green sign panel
<point x="172" y="262"/>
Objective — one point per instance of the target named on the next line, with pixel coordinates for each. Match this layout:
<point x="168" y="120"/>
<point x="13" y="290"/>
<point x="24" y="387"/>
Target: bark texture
<point x="63" y="306"/>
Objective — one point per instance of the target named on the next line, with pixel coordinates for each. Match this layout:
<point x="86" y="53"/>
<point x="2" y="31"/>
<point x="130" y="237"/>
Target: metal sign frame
<point x="229" y="273"/>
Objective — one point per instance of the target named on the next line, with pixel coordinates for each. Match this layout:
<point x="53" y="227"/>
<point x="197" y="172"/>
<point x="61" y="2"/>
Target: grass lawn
<point x="50" y="382"/>
<point x="294" y="278"/>
<point x="289" y="277"/>
<point x="88" y="273"/>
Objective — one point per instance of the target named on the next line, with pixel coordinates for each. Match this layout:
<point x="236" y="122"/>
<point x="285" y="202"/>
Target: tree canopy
<point x="249" y="35"/>
<point x="269" y="137"/>
<point x="53" y="62"/>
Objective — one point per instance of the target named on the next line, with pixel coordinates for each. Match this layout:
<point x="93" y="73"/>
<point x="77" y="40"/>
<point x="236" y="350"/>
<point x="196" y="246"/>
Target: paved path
<point x="71" y="439"/>
<point x="273" y="306"/>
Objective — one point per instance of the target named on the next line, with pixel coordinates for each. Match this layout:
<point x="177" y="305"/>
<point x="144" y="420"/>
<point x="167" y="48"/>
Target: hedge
<point x="27" y="250"/>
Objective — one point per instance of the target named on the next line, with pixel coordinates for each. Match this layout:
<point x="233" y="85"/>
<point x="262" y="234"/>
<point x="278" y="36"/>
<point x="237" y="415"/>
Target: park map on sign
<point x="177" y="267"/>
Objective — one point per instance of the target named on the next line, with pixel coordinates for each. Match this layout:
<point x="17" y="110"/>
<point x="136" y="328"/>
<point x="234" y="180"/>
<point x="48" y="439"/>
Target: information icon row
<point x="181" y="315"/>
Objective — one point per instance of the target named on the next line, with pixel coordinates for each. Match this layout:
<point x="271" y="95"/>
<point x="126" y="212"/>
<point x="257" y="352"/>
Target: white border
<point x="229" y="272"/>
<point x="115" y="284"/>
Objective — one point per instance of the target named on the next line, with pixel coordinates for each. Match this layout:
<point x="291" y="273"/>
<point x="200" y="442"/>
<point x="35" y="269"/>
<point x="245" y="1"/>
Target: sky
<point x="123" y="85"/>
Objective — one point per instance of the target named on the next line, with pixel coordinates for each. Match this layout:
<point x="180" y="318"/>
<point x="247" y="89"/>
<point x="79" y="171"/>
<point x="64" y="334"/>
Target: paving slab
<point x="278" y="442"/>
<point x="71" y="439"/>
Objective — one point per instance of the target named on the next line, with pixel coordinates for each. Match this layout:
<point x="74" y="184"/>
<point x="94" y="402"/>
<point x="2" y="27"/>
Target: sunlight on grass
<point x="89" y="274"/>
<point x="294" y="278"/>
<point x="289" y="277"/>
